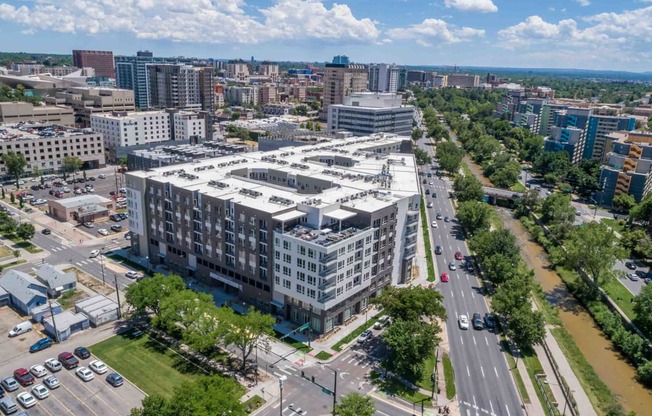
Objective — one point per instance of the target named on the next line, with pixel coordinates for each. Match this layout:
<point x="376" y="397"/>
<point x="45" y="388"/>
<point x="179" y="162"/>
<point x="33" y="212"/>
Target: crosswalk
<point x="356" y="359"/>
<point x="58" y="248"/>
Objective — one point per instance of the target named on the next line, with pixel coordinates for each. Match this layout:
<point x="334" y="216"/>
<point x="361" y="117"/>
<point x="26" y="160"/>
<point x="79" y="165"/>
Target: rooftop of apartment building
<point x="372" y="100"/>
<point x="118" y="115"/>
<point x="30" y="131"/>
<point x="371" y="181"/>
<point x="190" y="152"/>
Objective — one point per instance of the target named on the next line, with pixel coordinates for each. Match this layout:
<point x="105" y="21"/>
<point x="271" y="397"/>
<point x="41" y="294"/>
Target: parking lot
<point x="73" y="396"/>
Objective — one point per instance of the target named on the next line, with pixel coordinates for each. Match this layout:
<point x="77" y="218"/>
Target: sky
<point x="583" y="34"/>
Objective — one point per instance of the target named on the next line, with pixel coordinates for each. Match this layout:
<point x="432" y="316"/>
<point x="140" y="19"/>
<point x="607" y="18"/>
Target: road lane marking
<point x="469" y="374"/>
<point x="496" y="371"/>
<point x="482" y="371"/>
<point x="452" y="294"/>
<point x="486" y="341"/>
<point x="474" y="343"/>
<point x="492" y="407"/>
<point x="472" y="293"/>
<point x="462" y="341"/>
<point x="508" y="414"/>
<point x="462" y="293"/>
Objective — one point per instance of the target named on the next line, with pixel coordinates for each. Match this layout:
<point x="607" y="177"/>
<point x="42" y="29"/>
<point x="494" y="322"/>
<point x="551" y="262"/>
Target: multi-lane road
<point x="482" y="377"/>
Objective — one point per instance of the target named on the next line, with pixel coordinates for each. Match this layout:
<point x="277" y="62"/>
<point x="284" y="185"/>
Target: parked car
<point x="478" y="324"/>
<point x="40" y="345"/>
<point x="103" y="231"/>
<point x="101" y="176"/>
<point x="82" y="352"/>
<point x="68" y="360"/>
<point x="21" y="328"/>
<point x="84" y="373"/>
<point x="132" y="275"/>
<point x="630" y="265"/>
<point x="365" y="336"/>
<point x="52" y="382"/>
<point x="24" y="377"/>
<point x="38" y="371"/>
<point x="40" y="392"/>
<point x="469" y="267"/>
<point x="8" y="406"/>
<point x="89" y="224"/>
<point x="447" y="219"/>
<point x="98" y="366"/>
<point x="633" y="277"/>
<point x="53" y="364"/>
<point x="9" y="384"/>
<point x="115" y="379"/>
<point x="382" y="322"/>
<point x="26" y="400"/>
<point x="116" y="228"/>
<point x="91" y="178"/>
<point x="463" y="322"/>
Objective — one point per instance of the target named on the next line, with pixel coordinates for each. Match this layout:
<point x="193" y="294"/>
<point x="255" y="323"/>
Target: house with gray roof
<point x="56" y="280"/>
<point x="25" y="292"/>
<point x="4" y="297"/>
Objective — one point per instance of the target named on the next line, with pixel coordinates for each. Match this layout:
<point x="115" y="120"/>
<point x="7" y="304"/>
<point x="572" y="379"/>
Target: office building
<point x="101" y="61"/>
<point x="367" y="113"/>
<point x="341" y="60"/>
<point x="86" y="101"/>
<point x="387" y="78"/>
<point x="132" y="74"/>
<point x="238" y="71"/>
<point x="627" y="167"/>
<point x="416" y="77"/>
<point x="463" y="80"/>
<point x="309" y="234"/>
<point x="180" y="86"/>
<point x="46" y="145"/>
<point x="341" y="80"/>
<point x="439" y="81"/>
<point x="15" y="112"/>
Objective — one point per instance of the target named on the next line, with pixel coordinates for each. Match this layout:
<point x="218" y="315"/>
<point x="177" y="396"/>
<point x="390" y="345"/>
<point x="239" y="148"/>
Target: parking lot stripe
<point x="94" y="393"/>
<point x="83" y="402"/>
<point x="60" y="402"/>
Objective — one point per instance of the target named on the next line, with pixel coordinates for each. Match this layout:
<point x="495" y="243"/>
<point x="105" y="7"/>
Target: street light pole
<point x="310" y="326"/>
<point x="280" y="385"/>
<point x="334" y="386"/>
<point x="102" y="265"/>
<point x="117" y="292"/>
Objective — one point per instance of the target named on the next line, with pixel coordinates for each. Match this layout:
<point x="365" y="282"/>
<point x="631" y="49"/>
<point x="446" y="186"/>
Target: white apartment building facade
<point x="188" y="126"/>
<point x="367" y="113"/>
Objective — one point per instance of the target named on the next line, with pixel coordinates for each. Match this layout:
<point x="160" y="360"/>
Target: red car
<point x="24" y="377"/>
<point x="68" y="360"/>
<point x="458" y="256"/>
<point x="444" y="277"/>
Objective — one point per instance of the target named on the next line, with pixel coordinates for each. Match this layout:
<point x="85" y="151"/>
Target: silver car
<point x="52" y="382"/>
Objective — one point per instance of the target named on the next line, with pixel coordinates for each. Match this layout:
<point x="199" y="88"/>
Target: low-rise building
<point x="82" y="208"/>
<point x="45" y="146"/>
<point x="15" y="112"/>
<point x="25" y="292"/>
<point x="86" y="101"/>
<point x="61" y="326"/>
<point x="463" y="80"/>
<point x="40" y="312"/>
<point x="98" y="309"/>
<point x="368" y="113"/>
<point x="56" y="279"/>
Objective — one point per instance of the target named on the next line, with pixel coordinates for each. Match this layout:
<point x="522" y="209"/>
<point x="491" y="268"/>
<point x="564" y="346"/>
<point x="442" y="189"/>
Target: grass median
<point x="356" y="333"/>
<point x="449" y="376"/>
<point x="426" y="241"/>
<point x="150" y="365"/>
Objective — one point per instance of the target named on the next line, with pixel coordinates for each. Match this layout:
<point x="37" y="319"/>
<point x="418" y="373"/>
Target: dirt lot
<point x="14" y="347"/>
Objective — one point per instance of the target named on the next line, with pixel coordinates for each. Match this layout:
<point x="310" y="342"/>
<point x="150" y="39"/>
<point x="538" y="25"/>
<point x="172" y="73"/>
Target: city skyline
<point x="579" y="34"/>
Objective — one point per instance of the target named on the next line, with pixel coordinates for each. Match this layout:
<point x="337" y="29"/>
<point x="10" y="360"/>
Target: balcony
<point x="411" y="230"/>
<point x="327" y="271"/>
<point x="327" y="296"/>
<point x="328" y="258"/>
<point x="409" y="242"/>
<point x="409" y="253"/>
<point x="412" y="217"/>
<point x="327" y="284"/>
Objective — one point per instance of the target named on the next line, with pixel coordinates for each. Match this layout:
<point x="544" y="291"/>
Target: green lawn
<point x="534" y="367"/>
<point x="356" y="333"/>
<point x="26" y="245"/>
<point x="621" y="295"/>
<point x="152" y="367"/>
<point x="428" y="368"/>
<point x="292" y="342"/>
<point x="449" y="376"/>
<point x="426" y="242"/>
<point x="518" y="187"/>
<point x="617" y="225"/>
<point x="6" y="251"/>
<point x="517" y="374"/>
<point x="394" y="387"/>
<point x="323" y="355"/>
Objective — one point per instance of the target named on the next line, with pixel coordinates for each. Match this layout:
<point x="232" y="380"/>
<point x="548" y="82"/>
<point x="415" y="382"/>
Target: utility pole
<point x="280" y="385"/>
<point x="102" y="265"/>
<point x="115" y="171"/>
<point x="117" y="292"/>
<point x="310" y="326"/>
<point x="54" y="324"/>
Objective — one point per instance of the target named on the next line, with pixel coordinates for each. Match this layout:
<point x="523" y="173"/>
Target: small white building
<point x="99" y="309"/>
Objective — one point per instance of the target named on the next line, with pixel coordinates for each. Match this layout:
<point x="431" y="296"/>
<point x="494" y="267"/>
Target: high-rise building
<point x="270" y="70"/>
<point x="387" y="78"/>
<point x="132" y="74"/>
<point x="310" y="235"/>
<point x="341" y="60"/>
<point x="566" y="139"/>
<point x="340" y="81"/>
<point x="238" y="70"/>
<point x="180" y="86"/>
<point x="101" y="61"/>
<point x="463" y="80"/>
<point x="439" y="81"/>
<point x="599" y="128"/>
<point x="366" y="113"/>
<point x="267" y="94"/>
<point x="414" y="76"/>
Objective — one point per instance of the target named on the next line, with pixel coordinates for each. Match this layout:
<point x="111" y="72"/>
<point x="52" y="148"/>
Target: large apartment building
<point x="181" y="86"/>
<point x="46" y="145"/>
<point x="341" y="80"/>
<point x="307" y="233"/>
<point x="101" y="61"/>
<point x="132" y="74"/>
<point x="387" y="78"/>
<point x="366" y="113"/>
<point x="86" y="101"/>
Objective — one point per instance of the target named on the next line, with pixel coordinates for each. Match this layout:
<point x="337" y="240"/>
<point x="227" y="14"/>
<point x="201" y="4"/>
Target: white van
<point x="382" y="322"/>
<point x="21" y="328"/>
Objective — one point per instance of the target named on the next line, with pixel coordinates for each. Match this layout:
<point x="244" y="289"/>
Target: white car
<point x="38" y="371"/>
<point x="94" y="254"/>
<point x="434" y="224"/>
<point x="53" y="364"/>
<point x="98" y="366"/>
<point x="40" y="392"/>
<point x="463" y="321"/>
<point x="85" y="374"/>
<point x="132" y="275"/>
<point x="52" y="382"/>
<point x="103" y="231"/>
<point x="101" y="176"/>
<point x="26" y="400"/>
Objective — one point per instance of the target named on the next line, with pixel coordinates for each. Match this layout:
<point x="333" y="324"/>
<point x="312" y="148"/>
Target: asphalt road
<point x="483" y="380"/>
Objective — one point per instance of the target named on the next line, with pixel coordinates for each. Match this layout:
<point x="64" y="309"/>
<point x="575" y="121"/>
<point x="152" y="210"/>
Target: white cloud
<point x="483" y="6"/>
<point x="583" y="3"/>
<point x="204" y="21"/>
<point x="434" y="31"/>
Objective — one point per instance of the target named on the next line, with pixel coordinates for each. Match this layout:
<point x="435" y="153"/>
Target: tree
<point x="531" y="148"/>
<point x="474" y="216"/>
<point x="7" y="225"/>
<point x="495" y="242"/>
<point x="421" y="156"/>
<point x="499" y="268"/>
<point x="624" y="203"/>
<point x="468" y="188"/>
<point x="417" y="134"/>
<point x="642" y="211"/>
<point x="247" y="330"/>
<point x="555" y="163"/>
<point x="594" y="248"/>
<point x="25" y="231"/>
<point x="450" y="157"/>
<point x="506" y="175"/>
<point x="300" y="110"/>
<point x="355" y="405"/>
<point x="510" y="297"/>
<point x="147" y="294"/>
<point x="317" y="126"/>
<point x="411" y="303"/>
<point x="409" y="343"/>
<point x="3" y="193"/>
<point x="72" y="164"/>
<point x="180" y="309"/>
<point x="527" y="327"/>
<point x="638" y="242"/>
<point x="643" y="310"/>
<point x="12" y="198"/>
<point x="15" y="165"/>
<point x="644" y="373"/>
<point x="16" y="253"/>
<point x="556" y="209"/>
<point x="528" y="202"/>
